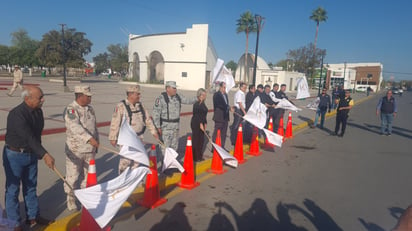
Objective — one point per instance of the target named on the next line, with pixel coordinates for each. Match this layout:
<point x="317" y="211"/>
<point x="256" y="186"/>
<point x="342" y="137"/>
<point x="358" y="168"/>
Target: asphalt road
<point x="314" y="182"/>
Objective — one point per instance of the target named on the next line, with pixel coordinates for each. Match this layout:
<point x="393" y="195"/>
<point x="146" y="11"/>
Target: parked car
<point x="361" y="88"/>
<point x="395" y="91"/>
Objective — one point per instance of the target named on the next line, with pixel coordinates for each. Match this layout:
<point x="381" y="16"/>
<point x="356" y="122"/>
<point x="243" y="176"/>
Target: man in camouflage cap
<point x="17" y="80"/>
<point x="82" y="141"/>
<point x="136" y="115"/>
<point x="166" y="114"/>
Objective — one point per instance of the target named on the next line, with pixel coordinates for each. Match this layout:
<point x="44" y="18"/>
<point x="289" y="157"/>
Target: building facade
<point x="185" y="57"/>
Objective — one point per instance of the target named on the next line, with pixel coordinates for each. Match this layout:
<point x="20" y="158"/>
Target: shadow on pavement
<point x="173" y="220"/>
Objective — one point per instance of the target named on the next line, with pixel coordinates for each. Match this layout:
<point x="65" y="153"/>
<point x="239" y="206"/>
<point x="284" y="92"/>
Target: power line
<point x="395" y="72"/>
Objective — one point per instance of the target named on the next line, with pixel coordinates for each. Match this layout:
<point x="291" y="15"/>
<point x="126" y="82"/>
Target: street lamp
<point x="259" y="20"/>
<point x="320" y="76"/>
<point x="64" y="57"/>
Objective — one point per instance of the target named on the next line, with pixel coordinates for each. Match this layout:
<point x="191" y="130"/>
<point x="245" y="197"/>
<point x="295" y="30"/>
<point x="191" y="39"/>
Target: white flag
<point x="273" y="97"/>
<point x="217" y="69"/>
<point x="135" y="155"/>
<point x="128" y="137"/>
<point x="273" y="138"/>
<point x="303" y="89"/>
<point x="286" y="104"/>
<point x="256" y="114"/>
<point x="104" y="200"/>
<point x="226" y="157"/>
<point x="227" y="77"/>
<point x="314" y="104"/>
<point x="169" y="161"/>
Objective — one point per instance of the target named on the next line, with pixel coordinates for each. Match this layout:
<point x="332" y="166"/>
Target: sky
<point x="355" y="31"/>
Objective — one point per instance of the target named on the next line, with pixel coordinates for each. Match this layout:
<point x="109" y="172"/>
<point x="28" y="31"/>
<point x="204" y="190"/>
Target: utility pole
<point x="259" y="20"/>
<point x="320" y="77"/>
<point x="64" y="57"/>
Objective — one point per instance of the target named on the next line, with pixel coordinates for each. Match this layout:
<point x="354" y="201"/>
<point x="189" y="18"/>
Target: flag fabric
<point x="226" y="76"/>
<point x="273" y="97"/>
<point x="169" y="160"/>
<point x="303" y="89"/>
<point x="273" y="138"/>
<point x="134" y="154"/>
<point x="132" y="146"/>
<point x="314" y="104"/>
<point x="256" y="114"/>
<point x="104" y="200"/>
<point x="217" y="69"/>
<point x="226" y="157"/>
<point x="286" y="104"/>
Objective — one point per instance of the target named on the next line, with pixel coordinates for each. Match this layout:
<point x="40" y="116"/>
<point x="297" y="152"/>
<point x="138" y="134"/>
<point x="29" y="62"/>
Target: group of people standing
<point x="25" y="124"/>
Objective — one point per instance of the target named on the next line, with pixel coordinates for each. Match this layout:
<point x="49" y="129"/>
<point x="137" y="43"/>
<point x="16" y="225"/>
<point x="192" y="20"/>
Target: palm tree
<point x="246" y="23"/>
<point x="319" y="15"/>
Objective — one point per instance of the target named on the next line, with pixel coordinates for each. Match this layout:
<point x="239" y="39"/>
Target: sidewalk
<point x="106" y="95"/>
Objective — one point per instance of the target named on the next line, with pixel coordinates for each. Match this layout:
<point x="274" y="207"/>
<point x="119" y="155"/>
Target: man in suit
<point x="221" y="115"/>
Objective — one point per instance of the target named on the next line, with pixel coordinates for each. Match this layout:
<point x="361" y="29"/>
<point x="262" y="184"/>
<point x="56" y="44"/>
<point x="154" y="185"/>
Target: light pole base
<point x="66" y="89"/>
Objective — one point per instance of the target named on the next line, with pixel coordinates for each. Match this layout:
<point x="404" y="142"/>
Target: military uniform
<point x="80" y="128"/>
<point x="17" y="80"/>
<point x="166" y="115"/>
<point x="138" y="122"/>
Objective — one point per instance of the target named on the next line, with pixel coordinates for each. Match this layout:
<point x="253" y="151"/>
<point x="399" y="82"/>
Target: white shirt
<point x="240" y="98"/>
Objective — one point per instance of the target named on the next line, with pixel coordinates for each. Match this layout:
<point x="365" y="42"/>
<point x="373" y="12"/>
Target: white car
<point x="361" y="88"/>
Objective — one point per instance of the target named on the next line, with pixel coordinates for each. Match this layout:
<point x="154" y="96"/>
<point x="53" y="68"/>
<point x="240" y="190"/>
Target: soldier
<point x="82" y="141"/>
<point x="166" y="114"/>
<point x="136" y="115"/>
<point x="17" y="80"/>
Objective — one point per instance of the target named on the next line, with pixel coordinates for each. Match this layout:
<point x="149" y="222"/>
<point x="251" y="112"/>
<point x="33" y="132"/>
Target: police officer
<point x="342" y="114"/>
<point x="136" y="115"/>
<point x="166" y="114"/>
<point x="82" y="141"/>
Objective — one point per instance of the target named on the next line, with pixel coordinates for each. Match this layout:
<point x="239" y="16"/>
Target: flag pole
<point x="109" y="149"/>
<point x="61" y="177"/>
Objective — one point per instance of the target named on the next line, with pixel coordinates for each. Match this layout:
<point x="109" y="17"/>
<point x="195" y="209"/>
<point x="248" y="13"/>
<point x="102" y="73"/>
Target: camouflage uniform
<point x="169" y="121"/>
<point x="80" y="128"/>
<point x="137" y="124"/>
<point x="17" y="81"/>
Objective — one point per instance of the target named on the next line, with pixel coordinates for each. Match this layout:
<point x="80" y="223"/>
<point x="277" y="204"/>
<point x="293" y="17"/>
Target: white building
<point x="185" y="57"/>
<point x="265" y="74"/>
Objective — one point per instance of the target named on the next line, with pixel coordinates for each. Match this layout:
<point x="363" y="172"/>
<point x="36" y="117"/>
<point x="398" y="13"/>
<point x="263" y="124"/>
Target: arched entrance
<point x="156" y="67"/>
<point x="136" y="67"/>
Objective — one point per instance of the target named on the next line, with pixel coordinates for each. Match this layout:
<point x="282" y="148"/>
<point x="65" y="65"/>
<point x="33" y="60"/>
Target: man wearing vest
<point x="135" y="114"/>
<point x="166" y="114"/>
<point x="388" y="108"/>
<point x="342" y="114"/>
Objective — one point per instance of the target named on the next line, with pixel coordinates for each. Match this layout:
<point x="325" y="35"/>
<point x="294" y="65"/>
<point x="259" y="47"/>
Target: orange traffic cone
<point x="281" y="129"/>
<point x="289" y="127"/>
<point x="188" y="176"/>
<point x="254" y="144"/>
<point x="151" y="196"/>
<point x="87" y="222"/>
<point x="270" y="128"/>
<point x="217" y="163"/>
<point x="238" y="153"/>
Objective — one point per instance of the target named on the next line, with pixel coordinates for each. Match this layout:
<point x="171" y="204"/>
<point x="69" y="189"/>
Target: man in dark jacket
<point x="388" y="108"/>
<point x="221" y="114"/>
<point x="323" y="106"/>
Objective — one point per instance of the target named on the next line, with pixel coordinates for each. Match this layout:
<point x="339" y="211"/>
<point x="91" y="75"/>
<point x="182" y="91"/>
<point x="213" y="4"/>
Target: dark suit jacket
<point x="221" y="107"/>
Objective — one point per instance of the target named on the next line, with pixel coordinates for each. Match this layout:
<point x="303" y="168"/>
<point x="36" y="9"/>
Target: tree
<point x="232" y="65"/>
<point x="23" y="49"/>
<point x="118" y="56"/>
<point x="4" y="55"/>
<point x="102" y="62"/>
<point x="304" y="59"/>
<point x="319" y="15"/>
<point x="53" y="51"/>
<point x="246" y="24"/>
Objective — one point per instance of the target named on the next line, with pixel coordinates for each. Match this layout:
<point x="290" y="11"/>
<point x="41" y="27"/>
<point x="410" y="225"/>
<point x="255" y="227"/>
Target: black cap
<point x="260" y="86"/>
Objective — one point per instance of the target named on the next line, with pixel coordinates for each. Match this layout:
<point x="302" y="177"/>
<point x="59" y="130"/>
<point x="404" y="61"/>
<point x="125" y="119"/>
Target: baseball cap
<point x="83" y="89"/>
<point x="133" y="88"/>
<point x="171" y="84"/>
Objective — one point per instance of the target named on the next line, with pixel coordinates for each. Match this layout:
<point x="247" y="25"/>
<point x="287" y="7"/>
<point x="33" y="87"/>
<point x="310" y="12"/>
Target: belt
<point x="21" y="150"/>
<point x="170" y="120"/>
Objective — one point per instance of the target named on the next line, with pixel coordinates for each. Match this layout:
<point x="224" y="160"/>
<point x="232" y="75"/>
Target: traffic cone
<point x="87" y="222"/>
<point x="281" y="129"/>
<point x="188" y="176"/>
<point x="254" y="144"/>
<point x="238" y="153"/>
<point x="151" y="196"/>
<point x="270" y="128"/>
<point x="217" y="163"/>
<point x="289" y="127"/>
